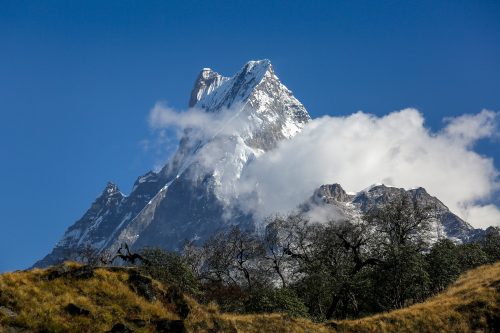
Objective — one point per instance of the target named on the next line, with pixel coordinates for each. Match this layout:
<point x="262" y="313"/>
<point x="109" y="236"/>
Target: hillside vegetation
<point x="75" y="298"/>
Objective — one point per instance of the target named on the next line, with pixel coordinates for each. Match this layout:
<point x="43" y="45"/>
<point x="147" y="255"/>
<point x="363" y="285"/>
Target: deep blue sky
<point x="77" y="80"/>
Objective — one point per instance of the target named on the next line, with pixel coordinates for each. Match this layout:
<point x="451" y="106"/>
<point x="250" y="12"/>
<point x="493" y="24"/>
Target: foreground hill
<point x="73" y="298"/>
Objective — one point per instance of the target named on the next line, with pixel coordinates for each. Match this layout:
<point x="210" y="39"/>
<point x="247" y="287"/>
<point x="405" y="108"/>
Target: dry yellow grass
<point x="471" y="304"/>
<point x="41" y="303"/>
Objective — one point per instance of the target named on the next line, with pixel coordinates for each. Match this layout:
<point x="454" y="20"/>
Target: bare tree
<point x="127" y="256"/>
<point x="403" y="221"/>
<point x="233" y="257"/>
<point x="403" y="227"/>
<point x="287" y="241"/>
<point x="88" y="255"/>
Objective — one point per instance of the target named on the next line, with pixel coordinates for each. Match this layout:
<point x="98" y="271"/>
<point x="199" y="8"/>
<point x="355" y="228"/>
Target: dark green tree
<point x="443" y="264"/>
<point x="471" y="255"/>
<point x="402" y="227"/>
<point x="491" y="244"/>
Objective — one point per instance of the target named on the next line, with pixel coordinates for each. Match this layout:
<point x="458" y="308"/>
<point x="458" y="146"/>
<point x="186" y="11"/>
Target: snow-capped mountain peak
<point x="188" y="198"/>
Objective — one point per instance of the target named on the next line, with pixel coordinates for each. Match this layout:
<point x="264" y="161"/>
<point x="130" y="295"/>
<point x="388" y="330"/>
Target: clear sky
<point x="78" y="78"/>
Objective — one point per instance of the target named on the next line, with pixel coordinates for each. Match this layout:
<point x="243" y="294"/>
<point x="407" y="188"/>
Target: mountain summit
<point x="188" y="198"/>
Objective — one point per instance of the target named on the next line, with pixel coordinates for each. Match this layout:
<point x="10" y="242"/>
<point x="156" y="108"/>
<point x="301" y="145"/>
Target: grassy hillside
<point x="73" y="298"/>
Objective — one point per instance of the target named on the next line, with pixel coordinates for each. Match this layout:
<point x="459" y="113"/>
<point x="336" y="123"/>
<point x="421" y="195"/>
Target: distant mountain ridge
<point x="444" y="223"/>
<point x="188" y="199"/>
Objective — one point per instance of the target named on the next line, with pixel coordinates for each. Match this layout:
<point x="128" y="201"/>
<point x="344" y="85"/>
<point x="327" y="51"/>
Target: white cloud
<point x="355" y="151"/>
<point x="469" y="128"/>
<point x="162" y="116"/>
<point x="396" y="149"/>
<point x="199" y="122"/>
<point x="482" y="216"/>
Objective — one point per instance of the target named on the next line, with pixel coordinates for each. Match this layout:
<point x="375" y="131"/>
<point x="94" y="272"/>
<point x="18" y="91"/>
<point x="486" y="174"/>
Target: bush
<point x="282" y="300"/>
<point x="229" y="298"/>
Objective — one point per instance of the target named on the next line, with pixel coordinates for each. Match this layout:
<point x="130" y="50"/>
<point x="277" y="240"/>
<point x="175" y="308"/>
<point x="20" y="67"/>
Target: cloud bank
<point x="396" y="149"/>
<point x="362" y="149"/>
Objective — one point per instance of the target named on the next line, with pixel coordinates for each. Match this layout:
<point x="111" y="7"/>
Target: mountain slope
<point x="106" y="298"/>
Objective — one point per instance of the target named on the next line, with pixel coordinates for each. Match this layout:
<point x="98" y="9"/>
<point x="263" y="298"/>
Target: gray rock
<point x="65" y="271"/>
<point x="120" y="328"/>
<point x="142" y="285"/>
<point x="76" y="310"/>
<point x="170" y="326"/>
<point x="5" y="311"/>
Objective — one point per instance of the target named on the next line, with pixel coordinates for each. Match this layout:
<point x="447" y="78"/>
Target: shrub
<point x="282" y="300"/>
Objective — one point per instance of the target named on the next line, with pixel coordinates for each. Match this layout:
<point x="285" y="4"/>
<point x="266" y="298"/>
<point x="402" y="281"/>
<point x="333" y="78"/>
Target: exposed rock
<point x="207" y="81"/>
<point x="174" y="296"/>
<point x="64" y="270"/>
<point x="142" y="285"/>
<point x="138" y="322"/>
<point x="58" y="271"/>
<point x="331" y="193"/>
<point x="5" y="311"/>
<point x="84" y="272"/>
<point x="14" y="329"/>
<point x="75" y="310"/>
<point x="444" y="223"/>
<point x="120" y="328"/>
<point x="170" y="326"/>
